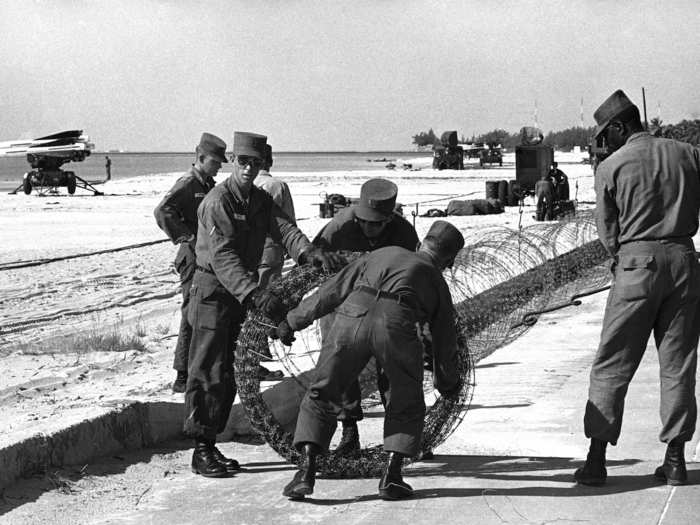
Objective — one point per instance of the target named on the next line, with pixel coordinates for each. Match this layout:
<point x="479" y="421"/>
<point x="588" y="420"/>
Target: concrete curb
<point x="130" y="426"/>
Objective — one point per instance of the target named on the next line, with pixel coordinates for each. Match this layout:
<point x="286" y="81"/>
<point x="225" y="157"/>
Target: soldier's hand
<point x="284" y="333"/>
<point x="329" y="261"/>
<point x="268" y="303"/>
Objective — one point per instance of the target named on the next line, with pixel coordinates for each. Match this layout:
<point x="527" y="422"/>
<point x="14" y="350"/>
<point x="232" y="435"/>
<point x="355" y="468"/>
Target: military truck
<point x="491" y="155"/>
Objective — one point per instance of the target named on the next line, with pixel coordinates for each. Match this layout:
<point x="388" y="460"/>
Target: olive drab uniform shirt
<point x="411" y="275"/>
<point x="176" y="214"/>
<point x="648" y="190"/>
<point x="343" y="233"/>
<point x="232" y="233"/>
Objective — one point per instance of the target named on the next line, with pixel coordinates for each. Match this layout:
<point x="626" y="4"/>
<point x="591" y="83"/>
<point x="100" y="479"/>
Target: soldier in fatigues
<point x="379" y="299"/>
<point x="176" y="215"/>
<point x="370" y="225"/>
<point x="648" y="199"/>
<point x="544" y="191"/>
<point x="273" y="255"/>
<point x="272" y="260"/>
<point x="234" y="220"/>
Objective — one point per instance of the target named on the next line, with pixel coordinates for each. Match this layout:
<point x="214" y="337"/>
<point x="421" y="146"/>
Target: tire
<point x="27" y="184"/>
<point x="71" y="184"/>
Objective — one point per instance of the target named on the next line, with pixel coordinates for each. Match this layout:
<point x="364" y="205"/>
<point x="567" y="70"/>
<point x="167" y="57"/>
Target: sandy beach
<point x="49" y="384"/>
<point x="135" y="291"/>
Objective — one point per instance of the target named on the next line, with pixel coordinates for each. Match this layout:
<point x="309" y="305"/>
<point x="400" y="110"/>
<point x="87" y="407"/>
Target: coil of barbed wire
<point x="495" y="281"/>
<point x="440" y="419"/>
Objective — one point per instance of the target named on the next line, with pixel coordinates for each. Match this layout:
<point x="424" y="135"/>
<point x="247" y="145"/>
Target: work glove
<point x="267" y="302"/>
<point x="329" y="261"/>
<point x="284" y="333"/>
<point x="450" y="392"/>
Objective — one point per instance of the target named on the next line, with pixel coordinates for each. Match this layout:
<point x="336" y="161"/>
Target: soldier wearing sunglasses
<point x="234" y="220"/>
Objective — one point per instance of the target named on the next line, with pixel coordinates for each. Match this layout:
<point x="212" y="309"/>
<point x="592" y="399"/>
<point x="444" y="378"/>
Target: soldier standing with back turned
<point x="647" y="204"/>
<point x="176" y="215"/>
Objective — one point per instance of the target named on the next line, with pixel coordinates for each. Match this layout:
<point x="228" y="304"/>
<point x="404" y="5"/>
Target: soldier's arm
<point x="169" y="216"/>
<point x="225" y="261"/>
<point x="282" y="228"/>
<point x="606" y="210"/>
<point x="328" y="297"/>
<point x="442" y="328"/>
<point x="324" y="238"/>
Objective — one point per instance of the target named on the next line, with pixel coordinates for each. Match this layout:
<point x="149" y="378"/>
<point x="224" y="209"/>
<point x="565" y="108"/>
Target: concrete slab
<point x="511" y="460"/>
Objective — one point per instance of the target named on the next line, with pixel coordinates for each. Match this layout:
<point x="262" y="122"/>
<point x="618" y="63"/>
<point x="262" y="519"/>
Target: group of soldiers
<point x="233" y="237"/>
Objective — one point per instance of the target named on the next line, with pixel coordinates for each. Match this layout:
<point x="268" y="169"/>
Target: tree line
<point x="566" y="139"/>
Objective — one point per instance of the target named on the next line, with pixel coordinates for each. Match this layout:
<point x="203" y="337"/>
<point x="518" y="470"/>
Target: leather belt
<point x="401" y="299"/>
<point x="205" y="270"/>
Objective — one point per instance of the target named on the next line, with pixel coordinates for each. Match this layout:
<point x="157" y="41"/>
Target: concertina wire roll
<point x="496" y="281"/>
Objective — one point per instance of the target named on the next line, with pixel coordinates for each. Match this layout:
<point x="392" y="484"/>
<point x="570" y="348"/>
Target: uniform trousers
<point x="367" y="325"/>
<point x="185" y="268"/>
<point x="545" y="207"/>
<point x="655" y="288"/>
<point x="216" y="318"/>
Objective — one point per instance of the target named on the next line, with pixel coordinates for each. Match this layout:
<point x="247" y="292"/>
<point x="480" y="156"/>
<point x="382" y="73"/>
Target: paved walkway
<point x="510" y="461"/>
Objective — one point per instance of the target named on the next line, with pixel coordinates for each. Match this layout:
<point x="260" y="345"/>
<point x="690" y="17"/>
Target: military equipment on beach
<point x="448" y="155"/>
<point x="531" y="163"/>
<point x="46" y="155"/>
<point x="332" y="203"/>
<point x="491" y="155"/>
<point x="533" y="160"/>
<point x="597" y="151"/>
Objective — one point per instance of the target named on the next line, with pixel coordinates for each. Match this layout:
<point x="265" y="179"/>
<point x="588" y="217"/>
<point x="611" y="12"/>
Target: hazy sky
<point x="325" y="75"/>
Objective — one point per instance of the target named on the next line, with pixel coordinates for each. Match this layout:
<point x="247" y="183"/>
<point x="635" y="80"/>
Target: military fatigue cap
<point x="611" y="108"/>
<point x="251" y="144"/>
<point x="450" y="239"/>
<point x="213" y="146"/>
<point x="377" y="200"/>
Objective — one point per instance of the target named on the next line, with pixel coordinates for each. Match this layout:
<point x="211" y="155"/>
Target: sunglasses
<point x="244" y="160"/>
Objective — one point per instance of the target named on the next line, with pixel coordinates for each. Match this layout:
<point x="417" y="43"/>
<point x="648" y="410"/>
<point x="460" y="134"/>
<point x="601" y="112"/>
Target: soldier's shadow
<point x="515" y="476"/>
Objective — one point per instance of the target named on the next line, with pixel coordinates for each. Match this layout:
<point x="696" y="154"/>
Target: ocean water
<point x="127" y="165"/>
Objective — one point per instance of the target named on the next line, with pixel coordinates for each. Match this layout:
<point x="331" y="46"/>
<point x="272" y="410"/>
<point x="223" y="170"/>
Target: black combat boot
<point x="391" y="485"/>
<point x="350" y="440"/>
<point x="204" y="462"/>
<point x="673" y="470"/>
<point x="305" y="478"/>
<point x="231" y="465"/>
<point x="593" y="471"/>
<point x="180" y="382"/>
